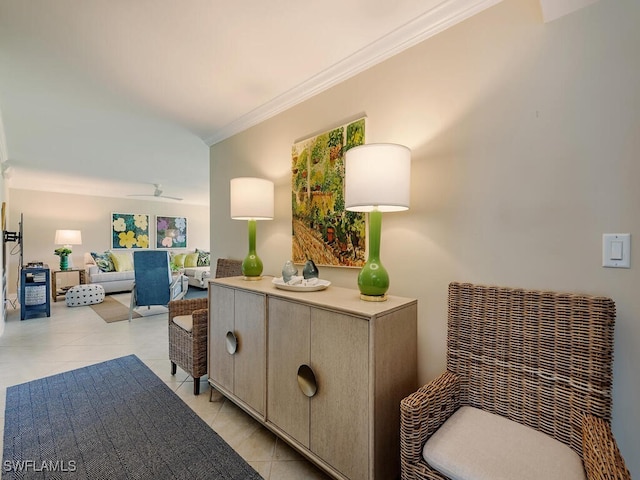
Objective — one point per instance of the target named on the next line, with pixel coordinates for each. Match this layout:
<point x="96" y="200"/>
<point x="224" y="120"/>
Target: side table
<point x="59" y="292"/>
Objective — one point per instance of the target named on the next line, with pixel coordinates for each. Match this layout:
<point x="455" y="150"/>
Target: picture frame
<point x="129" y="231"/>
<point x="171" y="232"/>
<point x="322" y="230"/>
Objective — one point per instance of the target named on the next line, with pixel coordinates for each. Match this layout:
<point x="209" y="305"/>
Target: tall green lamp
<point x="377" y="180"/>
<point x="251" y="199"/>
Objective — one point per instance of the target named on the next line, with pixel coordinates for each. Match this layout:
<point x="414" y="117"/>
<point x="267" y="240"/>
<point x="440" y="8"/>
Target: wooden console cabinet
<point x="323" y="370"/>
<point x="237" y="348"/>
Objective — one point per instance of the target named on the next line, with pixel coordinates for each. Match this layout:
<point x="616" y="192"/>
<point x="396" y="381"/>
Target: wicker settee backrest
<point x="226" y="267"/>
<point x="539" y="358"/>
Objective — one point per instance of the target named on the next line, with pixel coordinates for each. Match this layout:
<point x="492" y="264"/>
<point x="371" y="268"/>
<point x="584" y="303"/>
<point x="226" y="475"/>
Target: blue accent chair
<point x="154" y="283"/>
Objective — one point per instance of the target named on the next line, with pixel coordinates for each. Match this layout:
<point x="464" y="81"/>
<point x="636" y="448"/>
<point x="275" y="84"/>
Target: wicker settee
<point x="541" y="359"/>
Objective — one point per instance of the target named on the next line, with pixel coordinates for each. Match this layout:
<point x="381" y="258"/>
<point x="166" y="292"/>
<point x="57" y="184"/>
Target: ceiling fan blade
<point x="154" y="196"/>
<point x="157" y="193"/>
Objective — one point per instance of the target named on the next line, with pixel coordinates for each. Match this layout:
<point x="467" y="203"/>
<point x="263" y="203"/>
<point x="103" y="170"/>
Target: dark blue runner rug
<point x="111" y="420"/>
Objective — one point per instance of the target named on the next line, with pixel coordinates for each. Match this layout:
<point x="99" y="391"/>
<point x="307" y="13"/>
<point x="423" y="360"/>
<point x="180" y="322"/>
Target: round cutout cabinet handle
<point x="231" y="343"/>
<point x="307" y="381"/>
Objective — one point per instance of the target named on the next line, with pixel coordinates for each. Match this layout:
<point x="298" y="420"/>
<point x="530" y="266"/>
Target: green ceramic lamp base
<point x="373" y="298"/>
<point x="252" y="265"/>
<point x="373" y="279"/>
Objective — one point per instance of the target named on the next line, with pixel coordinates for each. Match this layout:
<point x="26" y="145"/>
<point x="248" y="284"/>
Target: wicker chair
<point x="188" y="348"/>
<point x="541" y="359"/>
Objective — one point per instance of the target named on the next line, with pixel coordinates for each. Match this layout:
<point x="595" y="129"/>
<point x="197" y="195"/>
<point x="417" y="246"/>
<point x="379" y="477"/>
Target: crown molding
<point x="446" y="14"/>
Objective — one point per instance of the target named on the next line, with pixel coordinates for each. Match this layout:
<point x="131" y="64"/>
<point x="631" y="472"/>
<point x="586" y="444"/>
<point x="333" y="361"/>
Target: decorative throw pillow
<point x="122" y="261"/>
<point x="178" y="259"/>
<point x="103" y="261"/>
<point x="204" y="258"/>
<point x="191" y="260"/>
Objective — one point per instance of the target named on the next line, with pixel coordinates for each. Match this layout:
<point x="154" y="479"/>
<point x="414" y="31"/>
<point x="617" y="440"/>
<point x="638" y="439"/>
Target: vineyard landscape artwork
<point x="323" y="231"/>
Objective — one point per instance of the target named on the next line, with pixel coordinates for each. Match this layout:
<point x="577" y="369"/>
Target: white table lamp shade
<point x="377" y="177"/>
<point x="251" y="198"/>
<point x="68" y="237"/>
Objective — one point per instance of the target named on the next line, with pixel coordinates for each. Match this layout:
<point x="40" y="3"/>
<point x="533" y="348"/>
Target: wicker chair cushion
<point x="477" y="445"/>
<point x="185" y="322"/>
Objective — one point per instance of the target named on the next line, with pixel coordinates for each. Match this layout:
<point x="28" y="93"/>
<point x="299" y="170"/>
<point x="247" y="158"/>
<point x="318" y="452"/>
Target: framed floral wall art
<point x="171" y="232"/>
<point x="129" y="230"/>
<point x="323" y="231"/>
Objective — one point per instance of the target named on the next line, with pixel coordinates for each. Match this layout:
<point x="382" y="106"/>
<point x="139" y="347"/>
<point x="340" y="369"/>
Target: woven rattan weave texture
<point x="543" y="359"/>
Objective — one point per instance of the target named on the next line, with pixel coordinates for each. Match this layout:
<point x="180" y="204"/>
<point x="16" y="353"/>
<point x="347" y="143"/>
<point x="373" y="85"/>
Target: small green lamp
<point x="377" y="180"/>
<point x="67" y="238"/>
<point x="251" y="199"/>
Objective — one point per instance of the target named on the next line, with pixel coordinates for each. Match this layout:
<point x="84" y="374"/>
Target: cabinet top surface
<point x="35" y="269"/>
<point x="340" y="298"/>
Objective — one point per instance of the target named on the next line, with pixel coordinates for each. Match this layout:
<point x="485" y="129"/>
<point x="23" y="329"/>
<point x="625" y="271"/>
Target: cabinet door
<point x="221" y="314"/>
<point x="340" y="409"/>
<point x="250" y="357"/>
<point x="288" y="407"/>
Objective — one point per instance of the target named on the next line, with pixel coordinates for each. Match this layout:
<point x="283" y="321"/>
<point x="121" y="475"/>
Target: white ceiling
<point x="108" y="97"/>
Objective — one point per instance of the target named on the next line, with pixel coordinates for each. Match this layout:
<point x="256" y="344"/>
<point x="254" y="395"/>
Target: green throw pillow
<point x="191" y="260"/>
<point x="178" y="259"/>
<point x="204" y="258"/>
<point x="103" y="261"/>
<point x="122" y="261"/>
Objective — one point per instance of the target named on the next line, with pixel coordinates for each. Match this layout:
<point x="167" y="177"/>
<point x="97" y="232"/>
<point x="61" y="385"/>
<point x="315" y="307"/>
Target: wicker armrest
<point x="200" y="318"/>
<point x="424" y="411"/>
<point x="602" y="458"/>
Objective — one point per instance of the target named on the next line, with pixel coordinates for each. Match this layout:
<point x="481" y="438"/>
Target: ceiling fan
<point x="156" y="193"/>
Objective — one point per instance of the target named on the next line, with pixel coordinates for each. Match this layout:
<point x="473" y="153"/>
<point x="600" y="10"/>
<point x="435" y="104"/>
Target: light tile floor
<point x="77" y="337"/>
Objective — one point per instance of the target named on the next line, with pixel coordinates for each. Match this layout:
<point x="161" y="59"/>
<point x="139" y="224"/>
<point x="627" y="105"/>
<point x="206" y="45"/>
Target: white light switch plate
<point x="616" y="250"/>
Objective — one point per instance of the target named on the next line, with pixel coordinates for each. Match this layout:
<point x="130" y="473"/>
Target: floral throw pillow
<point x="103" y="261"/>
<point x="204" y="258"/>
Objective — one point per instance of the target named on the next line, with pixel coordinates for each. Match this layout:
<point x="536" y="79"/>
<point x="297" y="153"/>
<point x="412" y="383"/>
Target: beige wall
<point x="3" y="195"/>
<point x="45" y="212"/>
<point x="526" y="149"/>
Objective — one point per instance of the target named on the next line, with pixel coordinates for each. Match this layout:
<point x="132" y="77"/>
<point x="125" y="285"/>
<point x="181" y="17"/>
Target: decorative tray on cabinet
<point x="303" y="286"/>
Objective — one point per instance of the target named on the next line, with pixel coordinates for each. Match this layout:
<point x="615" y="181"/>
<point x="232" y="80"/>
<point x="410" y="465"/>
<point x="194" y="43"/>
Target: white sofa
<point x="195" y="266"/>
<point x="198" y="276"/>
<point x="110" y="281"/>
<point x="114" y="281"/>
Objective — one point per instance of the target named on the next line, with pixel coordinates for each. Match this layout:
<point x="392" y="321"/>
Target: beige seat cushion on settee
<point x="478" y="445"/>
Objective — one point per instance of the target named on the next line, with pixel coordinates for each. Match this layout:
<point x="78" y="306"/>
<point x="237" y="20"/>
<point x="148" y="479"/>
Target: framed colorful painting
<point x="129" y="230"/>
<point x="323" y="231"/>
<point x="171" y="232"/>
